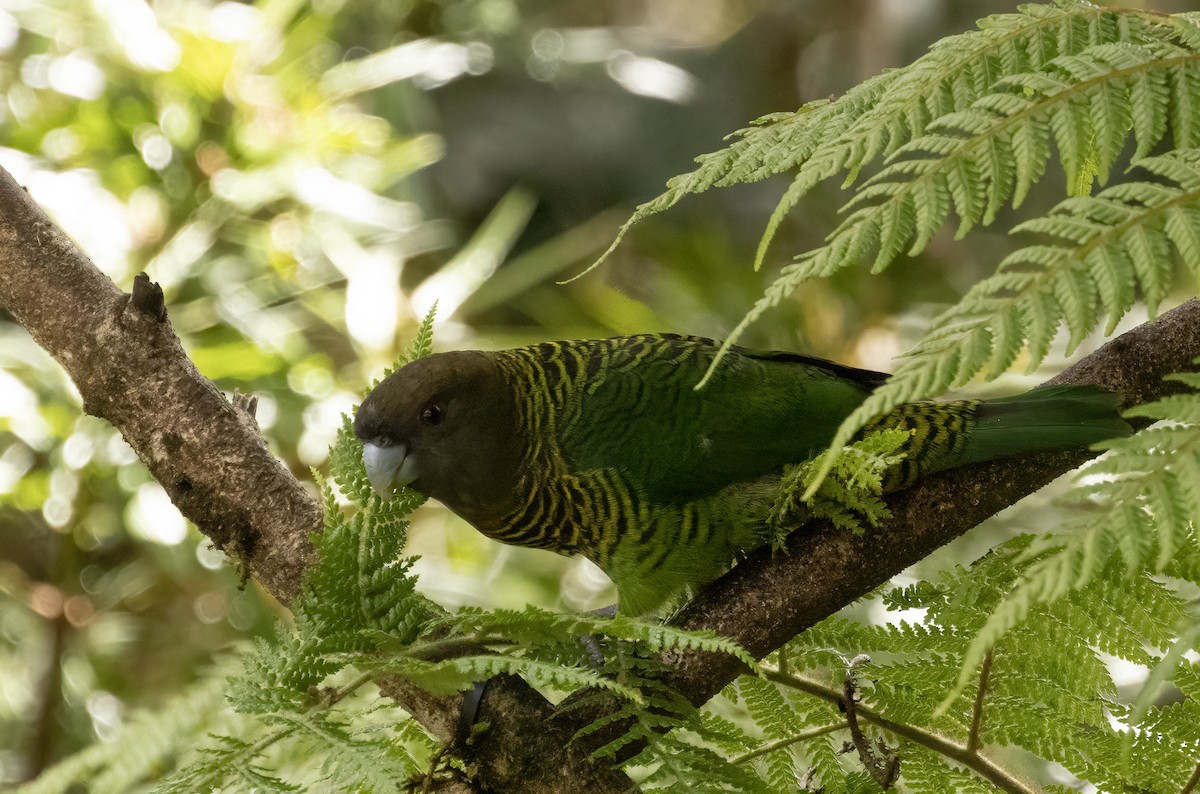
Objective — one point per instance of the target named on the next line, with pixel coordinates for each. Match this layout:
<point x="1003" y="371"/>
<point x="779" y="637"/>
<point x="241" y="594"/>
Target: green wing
<point x="640" y="413"/>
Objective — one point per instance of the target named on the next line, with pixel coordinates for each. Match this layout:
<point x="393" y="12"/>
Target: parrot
<point x="605" y="448"/>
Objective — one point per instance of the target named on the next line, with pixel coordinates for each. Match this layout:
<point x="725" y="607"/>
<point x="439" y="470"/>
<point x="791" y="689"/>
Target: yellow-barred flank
<point x="939" y="431"/>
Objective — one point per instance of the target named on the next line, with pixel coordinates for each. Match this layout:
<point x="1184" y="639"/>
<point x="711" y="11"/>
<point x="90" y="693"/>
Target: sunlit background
<point x="305" y="179"/>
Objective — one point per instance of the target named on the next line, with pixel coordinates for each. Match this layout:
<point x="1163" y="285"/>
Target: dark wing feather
<point x="869" y="379"/>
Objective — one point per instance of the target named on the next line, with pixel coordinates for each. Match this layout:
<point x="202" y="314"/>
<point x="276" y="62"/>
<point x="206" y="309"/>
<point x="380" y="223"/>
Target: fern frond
<point x="533" y="628"/>
<point x="877" y="117"/>
<point x="1108" y="247"/>
<point x="956" y="73"/>
<point x="1159" y="756"/>
<point x="147" y="743"/>
<point x="773" y="713"/>
<point x="679" y="765"/>
<point x="850" y="495"/>
<point x="926" y="773"/>
<point x="661" y="638"/>
<point x="660" y="710"/>
<point x="356" y="761"/>
<point x="231" y="764"/>
<point x="972" y="157"/>
<point x="1048" y="688"/>
<point x="422" y="342"/>
<point x="1164" y="671"/>
<point x="977" y="157"/>
<point x="1149" y="496"/>
<point x="358" y="597"/>
<point x="349" y="743"/>
<point x="459" y="673"/>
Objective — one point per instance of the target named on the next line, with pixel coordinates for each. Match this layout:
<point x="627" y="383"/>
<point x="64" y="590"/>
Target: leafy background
<point x="304" y="179"/>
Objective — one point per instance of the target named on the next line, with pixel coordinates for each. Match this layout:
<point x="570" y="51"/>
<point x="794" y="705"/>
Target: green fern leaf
<point x="232" y="763"/>
<point x="876" y="118"/>
<point x="1110" y="245"/>
<point x="148" y="743"/>
<point x="1147" y="492"/>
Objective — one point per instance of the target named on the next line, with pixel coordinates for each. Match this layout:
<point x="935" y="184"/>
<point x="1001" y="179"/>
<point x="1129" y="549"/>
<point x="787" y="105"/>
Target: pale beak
<point x="388" y="467"/>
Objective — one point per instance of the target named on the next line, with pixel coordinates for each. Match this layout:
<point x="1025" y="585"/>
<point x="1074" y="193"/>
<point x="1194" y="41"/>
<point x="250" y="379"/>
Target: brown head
<point x="445" y="425"/>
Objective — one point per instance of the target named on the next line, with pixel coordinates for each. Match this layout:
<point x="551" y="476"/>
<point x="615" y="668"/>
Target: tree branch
<point x="131" y="370"/>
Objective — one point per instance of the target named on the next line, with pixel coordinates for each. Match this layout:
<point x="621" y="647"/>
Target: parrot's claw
<point x="591" y="644"/>
<point x="468" y="713"/>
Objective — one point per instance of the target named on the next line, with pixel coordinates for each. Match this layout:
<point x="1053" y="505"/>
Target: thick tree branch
<point x="131" y="370"/>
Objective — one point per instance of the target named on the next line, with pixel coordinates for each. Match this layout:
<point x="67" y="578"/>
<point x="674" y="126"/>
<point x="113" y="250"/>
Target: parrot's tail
<point x="1049" y="417"/>
<point x="949" y="434"/>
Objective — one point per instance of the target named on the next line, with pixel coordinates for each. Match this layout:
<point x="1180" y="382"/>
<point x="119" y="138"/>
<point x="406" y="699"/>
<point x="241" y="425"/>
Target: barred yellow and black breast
<point x="586" y="509"/>
<point x="558" y="508"/>
<point x="605" y="512"/>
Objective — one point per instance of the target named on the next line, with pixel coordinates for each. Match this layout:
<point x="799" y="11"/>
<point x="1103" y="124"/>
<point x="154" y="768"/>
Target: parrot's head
<point x="446" y="426"/>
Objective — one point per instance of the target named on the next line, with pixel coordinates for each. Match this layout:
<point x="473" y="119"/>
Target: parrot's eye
<point x="432" y="415"/>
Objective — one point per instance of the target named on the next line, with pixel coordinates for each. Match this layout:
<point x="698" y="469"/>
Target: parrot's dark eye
<point x="432" y="415"/>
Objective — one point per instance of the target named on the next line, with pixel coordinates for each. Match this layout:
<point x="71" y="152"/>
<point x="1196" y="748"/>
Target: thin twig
<point x="980" y="765"/>
<point x="245" y="755"/>
<point x="977" y="713"/>
<point x="884" y="770"/>
<point x="1190" y="786"/>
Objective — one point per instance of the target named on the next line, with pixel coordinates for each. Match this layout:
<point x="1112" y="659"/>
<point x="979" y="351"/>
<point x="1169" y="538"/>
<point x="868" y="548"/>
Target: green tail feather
<point x="1050" y="417"/>
<point x="949" y="434"/>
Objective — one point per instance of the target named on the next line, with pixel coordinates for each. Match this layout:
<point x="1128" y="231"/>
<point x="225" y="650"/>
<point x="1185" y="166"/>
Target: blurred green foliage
<point x="303" y="179"/>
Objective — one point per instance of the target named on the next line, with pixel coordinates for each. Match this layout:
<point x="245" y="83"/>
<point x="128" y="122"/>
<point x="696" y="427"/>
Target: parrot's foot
<point x="591" y="643"/>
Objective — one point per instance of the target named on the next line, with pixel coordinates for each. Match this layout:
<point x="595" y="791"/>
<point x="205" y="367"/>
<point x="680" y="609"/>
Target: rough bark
<point x="131" y="370"/>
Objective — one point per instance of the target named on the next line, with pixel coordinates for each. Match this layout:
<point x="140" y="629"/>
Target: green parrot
<point x="604" y="448"/>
